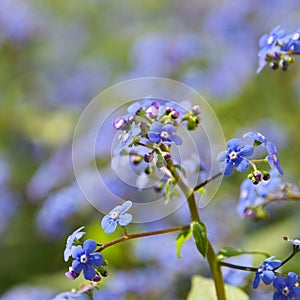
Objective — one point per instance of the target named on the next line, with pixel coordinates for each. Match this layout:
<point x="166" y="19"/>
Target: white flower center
<point x="270" y="40"/>
<point x="115" y="215"/>
<point x="83" y="258"/>
<point x="233" y="155"/>
<point x="285" y="291"/>
<point x="165" y="135"/>
<point x="296" y="36"/>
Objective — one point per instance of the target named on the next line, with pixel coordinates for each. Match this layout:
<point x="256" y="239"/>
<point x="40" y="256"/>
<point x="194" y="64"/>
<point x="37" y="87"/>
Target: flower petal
<point x="125" y="206"/>
<point x="89" y="246"/>
<point x="246" y="151"/>
<point x="156" y="127"/>
<point x="96" y="259"/>
<point x="176" y="139"/>
<point x="227" y="169"/>
<point x="242" y="164"/>
<point x="88" y="272"/>
<point x="125" y="219"/>
<point x="267" y="277"/>
<point x="256" y="281"/>
<point x="77" y="251"/>
<point x="169" y="128"/>
<point x="154" y="137"/>
<point x="222" y="156"/>
<point x="291" y="279"/>
<point x="77" y="266"/>
<point x="110" y="226"/>
<point x="234" y="143"/>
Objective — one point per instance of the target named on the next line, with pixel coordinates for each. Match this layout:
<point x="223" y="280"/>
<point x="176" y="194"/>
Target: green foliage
<point x="204" y="288"/>
<point x="200" y="237"/>
<point x="227" y="252"/>
<point x="183" y="236"/>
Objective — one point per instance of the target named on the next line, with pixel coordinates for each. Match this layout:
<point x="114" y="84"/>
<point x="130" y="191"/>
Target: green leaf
<point x="200" y="237"/>
<point x="230" y="252"/>
<point x="183" y="236"/>
<point x="204" y="288"/>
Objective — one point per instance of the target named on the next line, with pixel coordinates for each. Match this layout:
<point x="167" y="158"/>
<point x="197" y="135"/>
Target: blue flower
<point x="273" y="157"/>
<point x="295" y="242"/>
<point x="86" y="260"/>
<point x="157" y="133"/>
<point x="234" y="157"/>
<point x="286" y="287"/>
<point x="76" y="235"/>
<point x="265" y="272"/>
<point x="293" y="43"/>
<point x="117" y="215"/>
<point x="127" y="139"/>
<point x="270" y="147"/>
<point x="267" y="41"/>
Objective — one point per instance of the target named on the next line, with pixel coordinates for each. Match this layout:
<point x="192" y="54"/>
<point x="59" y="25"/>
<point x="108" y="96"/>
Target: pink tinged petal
<point x="89" y="246"/>
<point x="125" y="219"/>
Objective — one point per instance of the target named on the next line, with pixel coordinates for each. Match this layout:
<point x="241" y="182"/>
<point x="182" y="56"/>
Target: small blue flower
<point x="267" y="41"/>
<point x="157" y="133"/>
<point x="273" y="157"/>
<point x="293" y="43"/>
<point x="76" y="235"/>
<point x="234" y="157"/>
<point x="265" y="271"/>
<point x="256" y="136"/>
<point x="286" y="287"/>
<point x="127" y="139"/>
<point x="86" y="260"/>
<point x="117" y="215"/>
<point x="295" y="242"/>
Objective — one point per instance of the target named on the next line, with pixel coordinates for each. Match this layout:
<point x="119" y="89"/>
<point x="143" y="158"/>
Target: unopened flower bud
<point x="148" y="157"/>
<point x="196" y="110"/>
<point x="119" y="123"/>
<point x="97" y="278"/>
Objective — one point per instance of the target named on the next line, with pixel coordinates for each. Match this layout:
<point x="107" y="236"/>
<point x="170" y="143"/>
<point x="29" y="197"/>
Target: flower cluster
<point x="277" y="49"/>
<point x="85" y="258"/>
<point x="148" y="130"/>
<point x="237" y="153"/>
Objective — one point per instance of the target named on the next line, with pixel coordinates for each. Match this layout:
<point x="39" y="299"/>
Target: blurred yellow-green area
<point x="56" y="56"/>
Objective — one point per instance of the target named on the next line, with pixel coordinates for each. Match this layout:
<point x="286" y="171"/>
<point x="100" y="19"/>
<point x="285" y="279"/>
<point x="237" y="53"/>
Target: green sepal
<point x="227" y="252"/>
<point x="183" y="236"/>
<point x="200" y="237"/>
<point x="201" y="190"/>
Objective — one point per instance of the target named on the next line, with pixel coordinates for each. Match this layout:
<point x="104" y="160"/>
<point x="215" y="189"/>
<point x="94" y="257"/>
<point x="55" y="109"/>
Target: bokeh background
<point x="56" y="56"/>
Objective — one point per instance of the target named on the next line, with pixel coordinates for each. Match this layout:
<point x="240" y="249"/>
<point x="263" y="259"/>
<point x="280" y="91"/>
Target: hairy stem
<point x="127" y="237"/>
<point x="211" y="255"/>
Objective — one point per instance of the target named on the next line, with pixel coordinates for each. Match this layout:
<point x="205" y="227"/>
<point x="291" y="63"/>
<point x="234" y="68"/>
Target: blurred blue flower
<point x="105" y="294"/>
<point x="127" y="139"/>
<point x="26" y="292"/>
<point x="76" y="235"/>
<point x="287" y="288"/>
<point x="253" y="195"/>
<point x="71" y="296"/>
<point x="86" y="260"/>
<point x="265" y="271"/>
<point x="293" y="43"/>
<point x="117" y="215"/>
<point x="267" y="41"/>
<point x="157" y="133"/>
<point x="234" y="157"/>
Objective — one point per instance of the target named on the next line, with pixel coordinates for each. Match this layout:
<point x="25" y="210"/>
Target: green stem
<point x="127" y="237"/>
<point x="233" y="266"/>
<point x="215" y="267"/>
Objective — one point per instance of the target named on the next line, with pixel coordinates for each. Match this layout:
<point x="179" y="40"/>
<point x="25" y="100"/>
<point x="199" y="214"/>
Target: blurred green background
<point x="56" y="56"/>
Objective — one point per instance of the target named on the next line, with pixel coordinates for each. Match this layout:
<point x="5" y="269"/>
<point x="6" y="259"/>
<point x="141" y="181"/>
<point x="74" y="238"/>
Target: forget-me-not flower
<point x="234" y="157"/>
<point x="76" y="235"/>
<point x="265" y="272"/>
<point x="117" y="215"/>
<point x="287" y="288"/>
<point x="86" y="260"/>
<point x="157" y="133"/>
